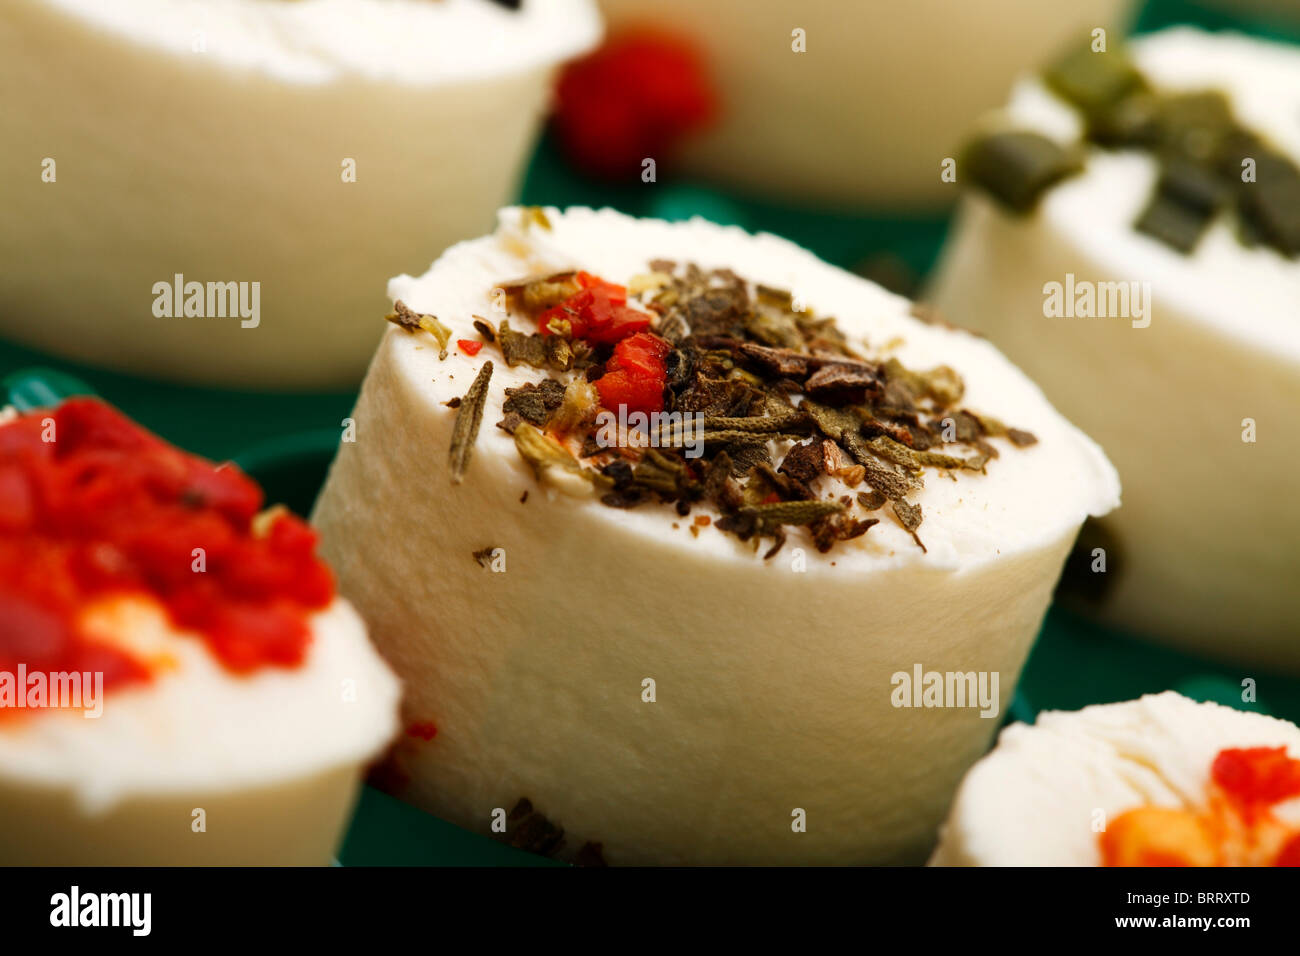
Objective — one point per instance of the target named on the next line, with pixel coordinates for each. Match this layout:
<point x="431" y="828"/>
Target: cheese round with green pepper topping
<point x="1184" y="365"/>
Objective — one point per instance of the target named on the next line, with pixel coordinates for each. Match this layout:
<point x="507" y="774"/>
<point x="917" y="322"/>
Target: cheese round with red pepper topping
<point x="1162" y="780"/>
<point x="179" y="683"/>
<point x="663" y="691"/>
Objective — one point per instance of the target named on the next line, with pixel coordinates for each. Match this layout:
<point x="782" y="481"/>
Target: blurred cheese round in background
<point x="312" y="147"/>
<point x="1143" y="782"/>
<point x="866" y="115"/>
<point x="1196" y="399"/>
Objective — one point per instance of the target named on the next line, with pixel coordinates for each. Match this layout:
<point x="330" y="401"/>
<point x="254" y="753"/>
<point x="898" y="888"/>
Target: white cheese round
<point x="312" y="41"/>
<point x="1040" y="796"/>
<point x="868" y="110"/>
<point x="297" y="150"/>
<point x="1177" y="395"/>
<point x="771" y="678"/>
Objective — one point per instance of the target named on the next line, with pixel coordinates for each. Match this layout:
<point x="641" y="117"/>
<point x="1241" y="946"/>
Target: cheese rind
<point x="1195" y="408"/>
<point x="1038" y="798"/>
<point x="771" y="680"/>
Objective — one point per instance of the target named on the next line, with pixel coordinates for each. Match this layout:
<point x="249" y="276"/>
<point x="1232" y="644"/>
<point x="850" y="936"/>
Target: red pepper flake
<point x="1257" y="776"/>
<point x="1235" y="828"/>
<point x="108" y="509"/>
<point x="469" y="346"/>
<point x="425" y="730"/>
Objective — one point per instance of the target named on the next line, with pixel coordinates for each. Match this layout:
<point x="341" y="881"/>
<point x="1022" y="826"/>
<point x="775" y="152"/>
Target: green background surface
<point x="287" y="440"/>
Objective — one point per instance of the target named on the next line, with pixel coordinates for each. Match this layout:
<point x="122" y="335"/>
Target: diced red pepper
<point x="635" y="394"/>
<point x="17" y="499"/>
<point x="617" y="325"/>
<point x="635" y="375"/>
<point x="599" y="313"/>
<point x="469" y="346"/>
<point x="642" y="352"/>
<point x="1257" y="775"/>
<point x="1290" y="855"/>
<point x="104" y="508"/>
<point x="617" y="293"/>
<point x="578" y="310"/>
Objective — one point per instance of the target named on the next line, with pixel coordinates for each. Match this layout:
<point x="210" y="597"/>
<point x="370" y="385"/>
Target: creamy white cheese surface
<point x="417" y="41"/>
<point x="670" y="694"/>
<point x="1194" y="399"/>
<point x="1034" y="800"/>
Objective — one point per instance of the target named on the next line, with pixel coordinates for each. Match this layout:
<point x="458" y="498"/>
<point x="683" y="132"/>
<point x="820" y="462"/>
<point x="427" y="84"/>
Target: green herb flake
<point x="553" y="464"/>
<point x="884" y="478"/>
<point x="412" y="321"/>
<point x="534" y="402"/>
<point x="871" y="501"/>
<point x="530" y="831"/>
<point x="909" y="516"/>
<point x="468" y="418"/>
<point x="536" y="216"/>
<point x="521" y="349"/>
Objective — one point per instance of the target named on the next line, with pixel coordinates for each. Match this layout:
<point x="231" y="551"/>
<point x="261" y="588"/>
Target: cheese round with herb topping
<point x="675" y="674"/>
<point x="213" y="191"/>
<point x="1185" y="366"/>
<point x="1162" y="780"/>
